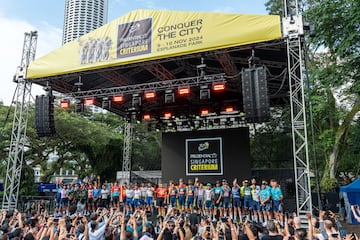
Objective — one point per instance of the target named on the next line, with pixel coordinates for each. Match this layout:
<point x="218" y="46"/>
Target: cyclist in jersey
<point x="218" y="199"/>
<point x="190" y="196"/>
<point x="181" y="195"/>
<point x="161" y="193"/>
<point x="255" y="194"/>
<point x="265" y="198"/>
<point x="208" y="196"/>
<point x="200" y="192"/>
<point x="236" y="201"/>
<point x="247" y="199"/>
<point x="116" y="189"/>
<point x="90" y="198"/>
<point x="150" y="197"/>
<point x="277" y="198"/>
<point x="129" y="193"/>
<point x="226" y="199"/>
<point x="143" y="194"/>
<point x="172" y="194"/>
<point x="137" y="197"/>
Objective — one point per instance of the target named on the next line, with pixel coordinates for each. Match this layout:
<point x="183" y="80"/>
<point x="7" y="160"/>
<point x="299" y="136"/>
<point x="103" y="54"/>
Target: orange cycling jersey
<point x="161" y="192"/>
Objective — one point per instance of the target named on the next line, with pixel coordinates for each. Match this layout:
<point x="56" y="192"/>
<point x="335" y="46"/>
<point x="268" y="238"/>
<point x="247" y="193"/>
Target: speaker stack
<point x="44" y="116"/>
<point x="255" y="94"/>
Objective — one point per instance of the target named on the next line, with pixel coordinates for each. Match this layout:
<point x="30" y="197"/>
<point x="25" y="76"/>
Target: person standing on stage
<point x="116" y="189"/>
<point x="190" y="195"/>
<point x="265" y="198"/>
<point x="218" y="199"/>
<point x="129" y="192"/>
<point x="208" y="196"/>
<point x="143" y="194"/>
<point x="137" y="197"/>
<point x="277" y="198"/>
<point x="200" y="193"/>
<point x="172" y="194"/>
<point x="255" y="194"/>
<point x="150" y="198"/>
<point x="226" y="199"/>
<point x="236" y="200"/>
<point x="181" y="195"/>
<point x="161" y="193"/>
<point x="247" y="199"/>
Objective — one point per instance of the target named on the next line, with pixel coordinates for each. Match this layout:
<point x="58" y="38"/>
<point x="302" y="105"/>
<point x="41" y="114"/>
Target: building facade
<point x="83" y="16"/>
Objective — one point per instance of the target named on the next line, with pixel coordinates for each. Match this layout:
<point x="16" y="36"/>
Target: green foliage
<point x="334" y="73"/>
<point x="328" y="184"/>
<point x="271" y="143"/>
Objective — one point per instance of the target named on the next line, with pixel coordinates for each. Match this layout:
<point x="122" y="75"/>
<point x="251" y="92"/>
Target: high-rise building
<point x="83" y="16"/>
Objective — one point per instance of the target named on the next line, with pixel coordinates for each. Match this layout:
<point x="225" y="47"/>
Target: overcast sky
<point x="47" y="17"/>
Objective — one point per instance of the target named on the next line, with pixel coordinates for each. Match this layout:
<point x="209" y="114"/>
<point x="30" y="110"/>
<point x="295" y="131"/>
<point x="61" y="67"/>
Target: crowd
<point x="177" y="211"/>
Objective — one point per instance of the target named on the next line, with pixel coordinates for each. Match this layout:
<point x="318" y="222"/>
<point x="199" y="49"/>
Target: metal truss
<point x="160" y="72"/>
<point x="226" y="62"/>
<point x="19" y="126"/>
<point x="127" y="150"/>
<point x="293" y="33"/>
<point x="114" y="77"/>
<point x="155" y="86"/>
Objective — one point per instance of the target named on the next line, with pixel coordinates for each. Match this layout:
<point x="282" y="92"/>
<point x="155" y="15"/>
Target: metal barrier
<point x="29" y="203"/>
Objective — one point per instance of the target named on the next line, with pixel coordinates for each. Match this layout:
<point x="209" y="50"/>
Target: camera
<point x="334" y="235"/>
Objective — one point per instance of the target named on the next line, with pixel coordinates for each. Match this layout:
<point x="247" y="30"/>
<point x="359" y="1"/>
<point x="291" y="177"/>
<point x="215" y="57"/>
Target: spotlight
<point x="136" y="101"/>
<point x="106" y="103"/>
<point x="150" y="95"/>
<point x="146" y="117"/>
<point x="204" y="112"/>
<point x="169" y="97"/>
<point x="65" y="103"/>
<point x="218" y="87"/>
<point x="118" y="99"/>
<point x="89" y="101"/>
<point x="167" y="115"/>
<point x="79" y="106"/>
<point x="204" y="93"/>
<point x="184" y="91"/>
<point x="229" y="109"/>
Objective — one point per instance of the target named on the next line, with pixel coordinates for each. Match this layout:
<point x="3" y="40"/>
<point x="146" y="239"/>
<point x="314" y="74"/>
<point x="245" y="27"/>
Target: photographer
<point x="171" y="231"/>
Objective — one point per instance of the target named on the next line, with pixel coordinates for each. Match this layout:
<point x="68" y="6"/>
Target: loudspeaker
<point x="44" y="116"/>
<point x="255" y="94"/>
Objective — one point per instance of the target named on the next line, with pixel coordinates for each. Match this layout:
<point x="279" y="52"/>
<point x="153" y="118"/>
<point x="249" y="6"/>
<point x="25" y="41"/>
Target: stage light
<point x="106" y="104"/>
<point x="136" y="101"/>
<point x="167" y="115"/>
<point x="204" y="112"/>
<point x="79" y="106"/>
<point x="146" y="117"/>
<point x="89" y="101"/>
<point x="218" y="87"/>
<point x="183" y="91"/>
<point x="169" y="97"/>
<point x="229" y="109"/>
<point x="204" y="93"/>
<point x="118" y="99"/>
<point x="65" y="103"/>
<point x="150" y="95"/>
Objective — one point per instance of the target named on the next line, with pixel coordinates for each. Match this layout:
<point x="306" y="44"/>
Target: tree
<point x="334" y="72"/>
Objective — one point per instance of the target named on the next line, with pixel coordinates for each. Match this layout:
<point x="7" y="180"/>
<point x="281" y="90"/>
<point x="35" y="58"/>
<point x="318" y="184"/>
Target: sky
<point x="47" y="17"/>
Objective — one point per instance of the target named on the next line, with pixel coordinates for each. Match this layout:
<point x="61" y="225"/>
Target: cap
<point x="246" y="181"/>
<point x="209" y="184"/>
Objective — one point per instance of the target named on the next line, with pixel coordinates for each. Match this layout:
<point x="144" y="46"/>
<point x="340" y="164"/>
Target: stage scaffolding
<point x="292" y="33"/>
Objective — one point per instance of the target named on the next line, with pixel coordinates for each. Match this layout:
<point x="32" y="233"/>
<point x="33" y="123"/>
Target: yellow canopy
<point x="145" y="35"/>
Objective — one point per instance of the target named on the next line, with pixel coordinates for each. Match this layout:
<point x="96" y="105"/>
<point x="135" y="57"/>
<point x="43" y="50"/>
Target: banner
<point x="145" y="35"/>
<point x="204" y="156"/>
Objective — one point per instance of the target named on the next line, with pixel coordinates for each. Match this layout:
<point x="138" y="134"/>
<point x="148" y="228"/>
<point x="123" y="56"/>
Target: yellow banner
<point x="145" y="35"/>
